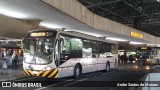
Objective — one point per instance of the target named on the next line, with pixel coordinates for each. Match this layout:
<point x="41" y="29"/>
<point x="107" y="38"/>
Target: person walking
<point x="14" y="60"/>
<point x="4" y="66"/>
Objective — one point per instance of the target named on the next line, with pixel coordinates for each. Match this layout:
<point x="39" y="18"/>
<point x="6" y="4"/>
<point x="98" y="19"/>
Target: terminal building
<point x="61" y="38"/>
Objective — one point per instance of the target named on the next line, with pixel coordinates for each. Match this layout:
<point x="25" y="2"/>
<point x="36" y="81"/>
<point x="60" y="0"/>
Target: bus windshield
<point x="38" y="50"/>
<point x="143" y="53"/>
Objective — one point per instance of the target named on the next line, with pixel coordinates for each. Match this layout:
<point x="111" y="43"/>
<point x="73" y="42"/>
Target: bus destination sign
<point x="143" y="47"/>
<point x="41" y="34"/>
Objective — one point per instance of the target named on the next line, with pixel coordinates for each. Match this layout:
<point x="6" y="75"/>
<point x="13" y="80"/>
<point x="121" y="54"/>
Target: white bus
<point x="148" y="55"/>
<point x="56" y="54"/>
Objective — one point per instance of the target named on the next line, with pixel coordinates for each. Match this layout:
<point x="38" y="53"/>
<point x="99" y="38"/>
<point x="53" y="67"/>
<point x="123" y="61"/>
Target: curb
<point x="142" y="79"/>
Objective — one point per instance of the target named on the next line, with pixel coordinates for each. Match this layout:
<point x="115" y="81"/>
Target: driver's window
<point x="64" y="44"/>
<point x="64" y="48"/>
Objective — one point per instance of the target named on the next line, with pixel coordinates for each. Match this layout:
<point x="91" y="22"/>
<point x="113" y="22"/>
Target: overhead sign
<point x="137" y="35"/>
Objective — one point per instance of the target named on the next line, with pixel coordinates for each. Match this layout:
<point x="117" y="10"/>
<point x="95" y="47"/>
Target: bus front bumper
<point x="147" y="61"/>
<point x="47" y="74"/>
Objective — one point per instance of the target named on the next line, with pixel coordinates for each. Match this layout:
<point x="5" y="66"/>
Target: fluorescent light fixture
<point x="92" y="34"/>
<point x="49" y="25"/>
<point x="151" y="44"/>
<point x="14" y="40"/>
<point x="88" y="33"/>
<point x="158" y="45"/>
<point x="135" y="43"/>
<point x="11" y="13"/>
<point x="116" y="39"/>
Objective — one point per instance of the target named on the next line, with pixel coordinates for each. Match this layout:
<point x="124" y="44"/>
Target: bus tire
<point x="107" y="67"/>
<point x="77" y="71"/>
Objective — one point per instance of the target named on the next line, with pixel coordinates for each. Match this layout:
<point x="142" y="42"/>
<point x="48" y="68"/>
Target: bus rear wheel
<point x="107" y="67"/>
<point x="77" y="71"/>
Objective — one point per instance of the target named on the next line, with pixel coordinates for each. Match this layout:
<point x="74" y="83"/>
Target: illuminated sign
<point x="137" y="35"/>
<point x="41" y="34"/>
<point x="143" y="47"/>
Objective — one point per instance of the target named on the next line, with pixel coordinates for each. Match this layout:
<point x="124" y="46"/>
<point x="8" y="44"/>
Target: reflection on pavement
<point x="135" y="66"/>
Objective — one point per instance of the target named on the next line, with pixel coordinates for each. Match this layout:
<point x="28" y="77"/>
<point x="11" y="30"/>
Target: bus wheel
<point x="77" y="71"/>
<point x="157" y="62"/>
<point x="107" y="67"/>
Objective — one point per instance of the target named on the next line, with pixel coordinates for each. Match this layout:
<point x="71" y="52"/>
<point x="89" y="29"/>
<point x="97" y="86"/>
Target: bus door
<point x="64" y="54"/>
<point x="61" y="56"/>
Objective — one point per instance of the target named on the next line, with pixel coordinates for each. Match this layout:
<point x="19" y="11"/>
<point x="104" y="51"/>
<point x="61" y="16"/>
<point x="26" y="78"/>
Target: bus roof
<point x="77" y="34"/>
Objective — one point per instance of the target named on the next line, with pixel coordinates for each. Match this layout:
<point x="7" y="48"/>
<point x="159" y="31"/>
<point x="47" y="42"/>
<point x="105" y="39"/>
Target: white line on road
<point x="26" y="79"/>
<point x="108" y="73"/>
<point x="75" y="82"/>
<point x="71" y="82"/>
<point x="92" y="74"/>
<point x="54" y="84"/>
<point x="63" y="82"/>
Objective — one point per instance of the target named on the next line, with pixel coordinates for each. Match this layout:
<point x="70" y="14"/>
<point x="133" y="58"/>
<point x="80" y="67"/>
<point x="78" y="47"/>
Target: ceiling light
<point x="135" y="43"/>
<point x="14" y="40"/>
<point x="151" y="45"/>
<point x="11" y="13"/>
<point x="158" y="45"/>
<point x="117" y="39"/>
<point x="49" y="25"/>
<point x="83" y="32"/>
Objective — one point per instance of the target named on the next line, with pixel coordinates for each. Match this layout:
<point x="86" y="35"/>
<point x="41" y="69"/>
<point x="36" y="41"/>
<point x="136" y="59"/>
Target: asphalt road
<point x="95" y="81"/>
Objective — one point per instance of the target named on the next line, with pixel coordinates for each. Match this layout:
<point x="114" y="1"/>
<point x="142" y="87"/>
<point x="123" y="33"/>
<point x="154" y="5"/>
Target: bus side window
<point x="87" y="49"/>
<point x="95" y="49"/>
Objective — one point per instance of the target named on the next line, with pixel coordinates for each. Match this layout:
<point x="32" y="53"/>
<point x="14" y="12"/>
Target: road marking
<point x="133" y="69"/>
<point x="108" y="73"/>
<point x="54" y="84"/>
<point x="75" y="82"/>
<point x="26" y="79"/>
<point x="92" y="74"/>
<point x="63" y="82"/>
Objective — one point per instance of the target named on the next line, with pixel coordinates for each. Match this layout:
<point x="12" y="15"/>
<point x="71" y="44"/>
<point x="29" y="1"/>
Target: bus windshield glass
<point x="38" y="50"/>
<point x="143" y="53"/>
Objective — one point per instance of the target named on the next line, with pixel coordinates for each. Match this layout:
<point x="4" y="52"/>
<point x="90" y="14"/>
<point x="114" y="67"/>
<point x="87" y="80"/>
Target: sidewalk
<point x="152" y="79"/>
<point x="12" y="74"/>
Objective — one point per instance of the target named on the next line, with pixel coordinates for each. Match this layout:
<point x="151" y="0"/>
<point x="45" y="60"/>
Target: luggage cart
<point x="4" y="66"/>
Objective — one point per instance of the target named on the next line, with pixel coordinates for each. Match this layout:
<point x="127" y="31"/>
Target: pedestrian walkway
<point x="153" y="82"/>
<point x="12" y="74"/>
